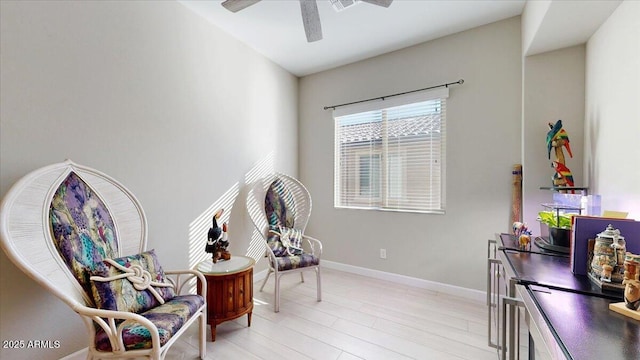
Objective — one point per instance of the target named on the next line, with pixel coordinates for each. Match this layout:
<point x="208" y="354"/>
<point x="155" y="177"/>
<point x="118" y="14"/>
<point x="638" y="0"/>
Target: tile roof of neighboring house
<point x="402" y="127"/>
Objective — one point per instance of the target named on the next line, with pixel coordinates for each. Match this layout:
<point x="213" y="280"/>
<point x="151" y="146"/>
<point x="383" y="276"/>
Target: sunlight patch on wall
<point x="256" y="246"/>
<point x="199" y="227"/>
<point x="263" y="168"/>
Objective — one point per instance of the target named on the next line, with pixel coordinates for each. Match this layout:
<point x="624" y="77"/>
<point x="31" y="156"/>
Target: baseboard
<point x="471" y="294"/>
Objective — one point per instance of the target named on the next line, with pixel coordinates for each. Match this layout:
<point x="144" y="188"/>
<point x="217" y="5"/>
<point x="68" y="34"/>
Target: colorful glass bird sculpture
<point x="562" y="173"/>
<point x="557" y="137"/>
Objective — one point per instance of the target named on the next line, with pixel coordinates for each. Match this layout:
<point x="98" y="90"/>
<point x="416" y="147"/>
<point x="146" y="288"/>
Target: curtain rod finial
<point x="461" y="81"/>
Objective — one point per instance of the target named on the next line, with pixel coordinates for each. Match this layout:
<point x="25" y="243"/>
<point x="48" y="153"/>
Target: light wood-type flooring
<point x="358" y="318"/>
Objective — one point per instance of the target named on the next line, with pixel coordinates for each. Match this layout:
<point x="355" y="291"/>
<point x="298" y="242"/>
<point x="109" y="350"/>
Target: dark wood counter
<point x="553" y="272"/>
<point x="584" y="326"/>
<point x="573" y="309"/>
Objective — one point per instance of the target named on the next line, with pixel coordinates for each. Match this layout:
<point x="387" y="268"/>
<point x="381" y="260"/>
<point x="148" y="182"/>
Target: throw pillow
<point x="285" y="241"/>
<point x="133" y="283"/>
<point x="273" y="240"/>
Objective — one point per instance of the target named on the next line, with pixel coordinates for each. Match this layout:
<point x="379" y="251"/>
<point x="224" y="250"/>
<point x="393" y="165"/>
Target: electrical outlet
<point x="383" y="253"/>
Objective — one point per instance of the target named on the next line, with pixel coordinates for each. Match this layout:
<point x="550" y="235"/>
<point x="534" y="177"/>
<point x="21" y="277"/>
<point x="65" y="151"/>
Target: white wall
<point x="553" y="89"/>
<point x="612" y="128"/>
<point x="151" y="94"/>
<point x="483" y="131"/>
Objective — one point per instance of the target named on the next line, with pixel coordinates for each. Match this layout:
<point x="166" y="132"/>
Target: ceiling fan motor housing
<point x="339" y="5"/>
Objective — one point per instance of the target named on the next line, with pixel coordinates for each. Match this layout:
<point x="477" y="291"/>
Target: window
<point x="389" y="155"/>
<point x="369" y="175"/>
<point x="396" y="176"/>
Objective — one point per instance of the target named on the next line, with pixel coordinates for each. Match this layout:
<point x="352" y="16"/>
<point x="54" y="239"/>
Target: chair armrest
<point x="180" y="281"/>
<point x="316" y="245"/>
<point x="106" y="319"/>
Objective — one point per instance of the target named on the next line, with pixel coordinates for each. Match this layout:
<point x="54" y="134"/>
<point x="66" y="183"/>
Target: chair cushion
<point x="284" y="241"/>
<point x="278" y="203"/>
<point x="169" y="318"/>
<point x="133" y="283"/>
<point x="297" y="261"/>
<point x="82" y="228"/>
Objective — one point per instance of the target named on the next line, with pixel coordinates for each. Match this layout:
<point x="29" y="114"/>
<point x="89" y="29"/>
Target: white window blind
<point x="390" y="154"/>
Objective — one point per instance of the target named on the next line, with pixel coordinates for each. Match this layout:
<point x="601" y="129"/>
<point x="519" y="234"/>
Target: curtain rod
<point x="459" y="82"/>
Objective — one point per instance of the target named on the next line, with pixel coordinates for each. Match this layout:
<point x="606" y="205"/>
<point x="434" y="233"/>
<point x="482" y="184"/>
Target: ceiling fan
<point x="309" y="9"/>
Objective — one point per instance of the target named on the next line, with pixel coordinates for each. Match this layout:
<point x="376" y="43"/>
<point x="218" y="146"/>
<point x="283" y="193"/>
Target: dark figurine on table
<point x="217" y="239"/>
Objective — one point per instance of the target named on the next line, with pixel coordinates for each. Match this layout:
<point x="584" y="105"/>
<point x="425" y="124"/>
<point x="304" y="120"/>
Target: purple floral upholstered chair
<point x="280" y="207"/>
<point x="82" y="235"/>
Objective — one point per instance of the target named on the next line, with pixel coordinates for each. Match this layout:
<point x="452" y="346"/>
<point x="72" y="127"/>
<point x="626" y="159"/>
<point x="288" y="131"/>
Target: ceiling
<point x="560" y="24"/>
<point x="274" y="27"/>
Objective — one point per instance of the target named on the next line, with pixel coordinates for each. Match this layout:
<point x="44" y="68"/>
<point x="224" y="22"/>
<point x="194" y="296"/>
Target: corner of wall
<point x="532" y="17"/>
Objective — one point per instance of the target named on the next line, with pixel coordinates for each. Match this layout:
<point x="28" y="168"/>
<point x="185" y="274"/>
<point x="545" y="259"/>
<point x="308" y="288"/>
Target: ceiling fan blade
<point x="237" y="5"/>
<point x="311" y="20"/>
<point x="384" y="3"/>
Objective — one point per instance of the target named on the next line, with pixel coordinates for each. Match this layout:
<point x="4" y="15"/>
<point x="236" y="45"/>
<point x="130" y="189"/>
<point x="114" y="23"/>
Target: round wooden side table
<point x="229" y="289"/>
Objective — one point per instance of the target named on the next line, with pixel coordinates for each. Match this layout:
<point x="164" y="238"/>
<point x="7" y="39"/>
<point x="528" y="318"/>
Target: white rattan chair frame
<point x="301" y="206"/>
<point x="25" y="237"/>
